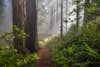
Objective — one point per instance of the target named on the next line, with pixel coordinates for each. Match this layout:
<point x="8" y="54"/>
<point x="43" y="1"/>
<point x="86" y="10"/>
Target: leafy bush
<point x="10" y="58"/>
<point x="77" y="49"/>
<point x="19" y="33"/>
<point x="27" y="60"/>
<point x="92" y="10"/>
<point x="8" y="37"/>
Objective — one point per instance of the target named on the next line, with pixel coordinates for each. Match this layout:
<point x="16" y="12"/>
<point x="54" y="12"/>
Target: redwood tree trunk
<point x="18" y="17"/>
<point x="25" y="17"/>
<point x="31" y="25"/>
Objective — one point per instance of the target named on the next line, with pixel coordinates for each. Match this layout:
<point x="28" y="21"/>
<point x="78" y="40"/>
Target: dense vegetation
<point x="10" y="56"/>
<point x="79" y="47"/>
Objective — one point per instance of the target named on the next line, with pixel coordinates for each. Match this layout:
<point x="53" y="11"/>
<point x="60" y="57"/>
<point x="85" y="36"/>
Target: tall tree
<point x="25" y="17"/>
<point x="77" y="14"/>
<point x="18" y="17"/>
<point x="31" y="25"/>
<point x="61" y="28"/>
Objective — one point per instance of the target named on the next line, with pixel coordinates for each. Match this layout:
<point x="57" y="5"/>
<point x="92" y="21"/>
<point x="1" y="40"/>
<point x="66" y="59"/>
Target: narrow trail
<point x="44" y="58"/>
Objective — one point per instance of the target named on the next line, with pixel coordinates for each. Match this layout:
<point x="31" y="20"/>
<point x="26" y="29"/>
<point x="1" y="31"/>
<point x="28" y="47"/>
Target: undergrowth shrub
<point x="10" y="58"/>
<point x="77" y="49"/>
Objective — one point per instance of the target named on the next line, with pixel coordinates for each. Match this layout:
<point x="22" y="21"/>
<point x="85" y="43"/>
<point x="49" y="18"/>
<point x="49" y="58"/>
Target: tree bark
<point x="18" y="17"/>
<point x="77" y="16"/>
<point x="61" y="28"/>
<point x="25" y="17"/>
<point x="31" y="25"/>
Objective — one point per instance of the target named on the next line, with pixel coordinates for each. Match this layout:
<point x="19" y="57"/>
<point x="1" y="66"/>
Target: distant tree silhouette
<point x="61" y="28"/>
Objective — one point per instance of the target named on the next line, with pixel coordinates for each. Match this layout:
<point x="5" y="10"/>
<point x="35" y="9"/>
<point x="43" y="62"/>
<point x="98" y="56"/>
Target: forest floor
<point x="44" y="58"/>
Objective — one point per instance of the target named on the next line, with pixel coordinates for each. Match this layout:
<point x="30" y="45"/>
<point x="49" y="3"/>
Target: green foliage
<point x="78" y="49"/>
<point x="91" y="52"/>
<point x="27" y="60"/>
<point x="20" y="34"/>
<point x="6" y="38"/>
<point x="92" y="10"/>
<point x="10" y="58"/>
<point x="7" y="56"/>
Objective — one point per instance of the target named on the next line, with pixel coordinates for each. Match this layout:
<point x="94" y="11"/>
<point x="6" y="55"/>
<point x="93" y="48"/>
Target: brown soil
<point x="44" y="58"/>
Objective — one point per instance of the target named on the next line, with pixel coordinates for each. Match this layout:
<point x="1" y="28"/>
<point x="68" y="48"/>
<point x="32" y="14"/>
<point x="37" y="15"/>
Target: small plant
<point x="18" y="33"/>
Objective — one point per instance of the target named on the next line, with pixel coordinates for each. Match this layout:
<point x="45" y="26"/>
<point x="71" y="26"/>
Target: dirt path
<point x="44" y="58"/>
